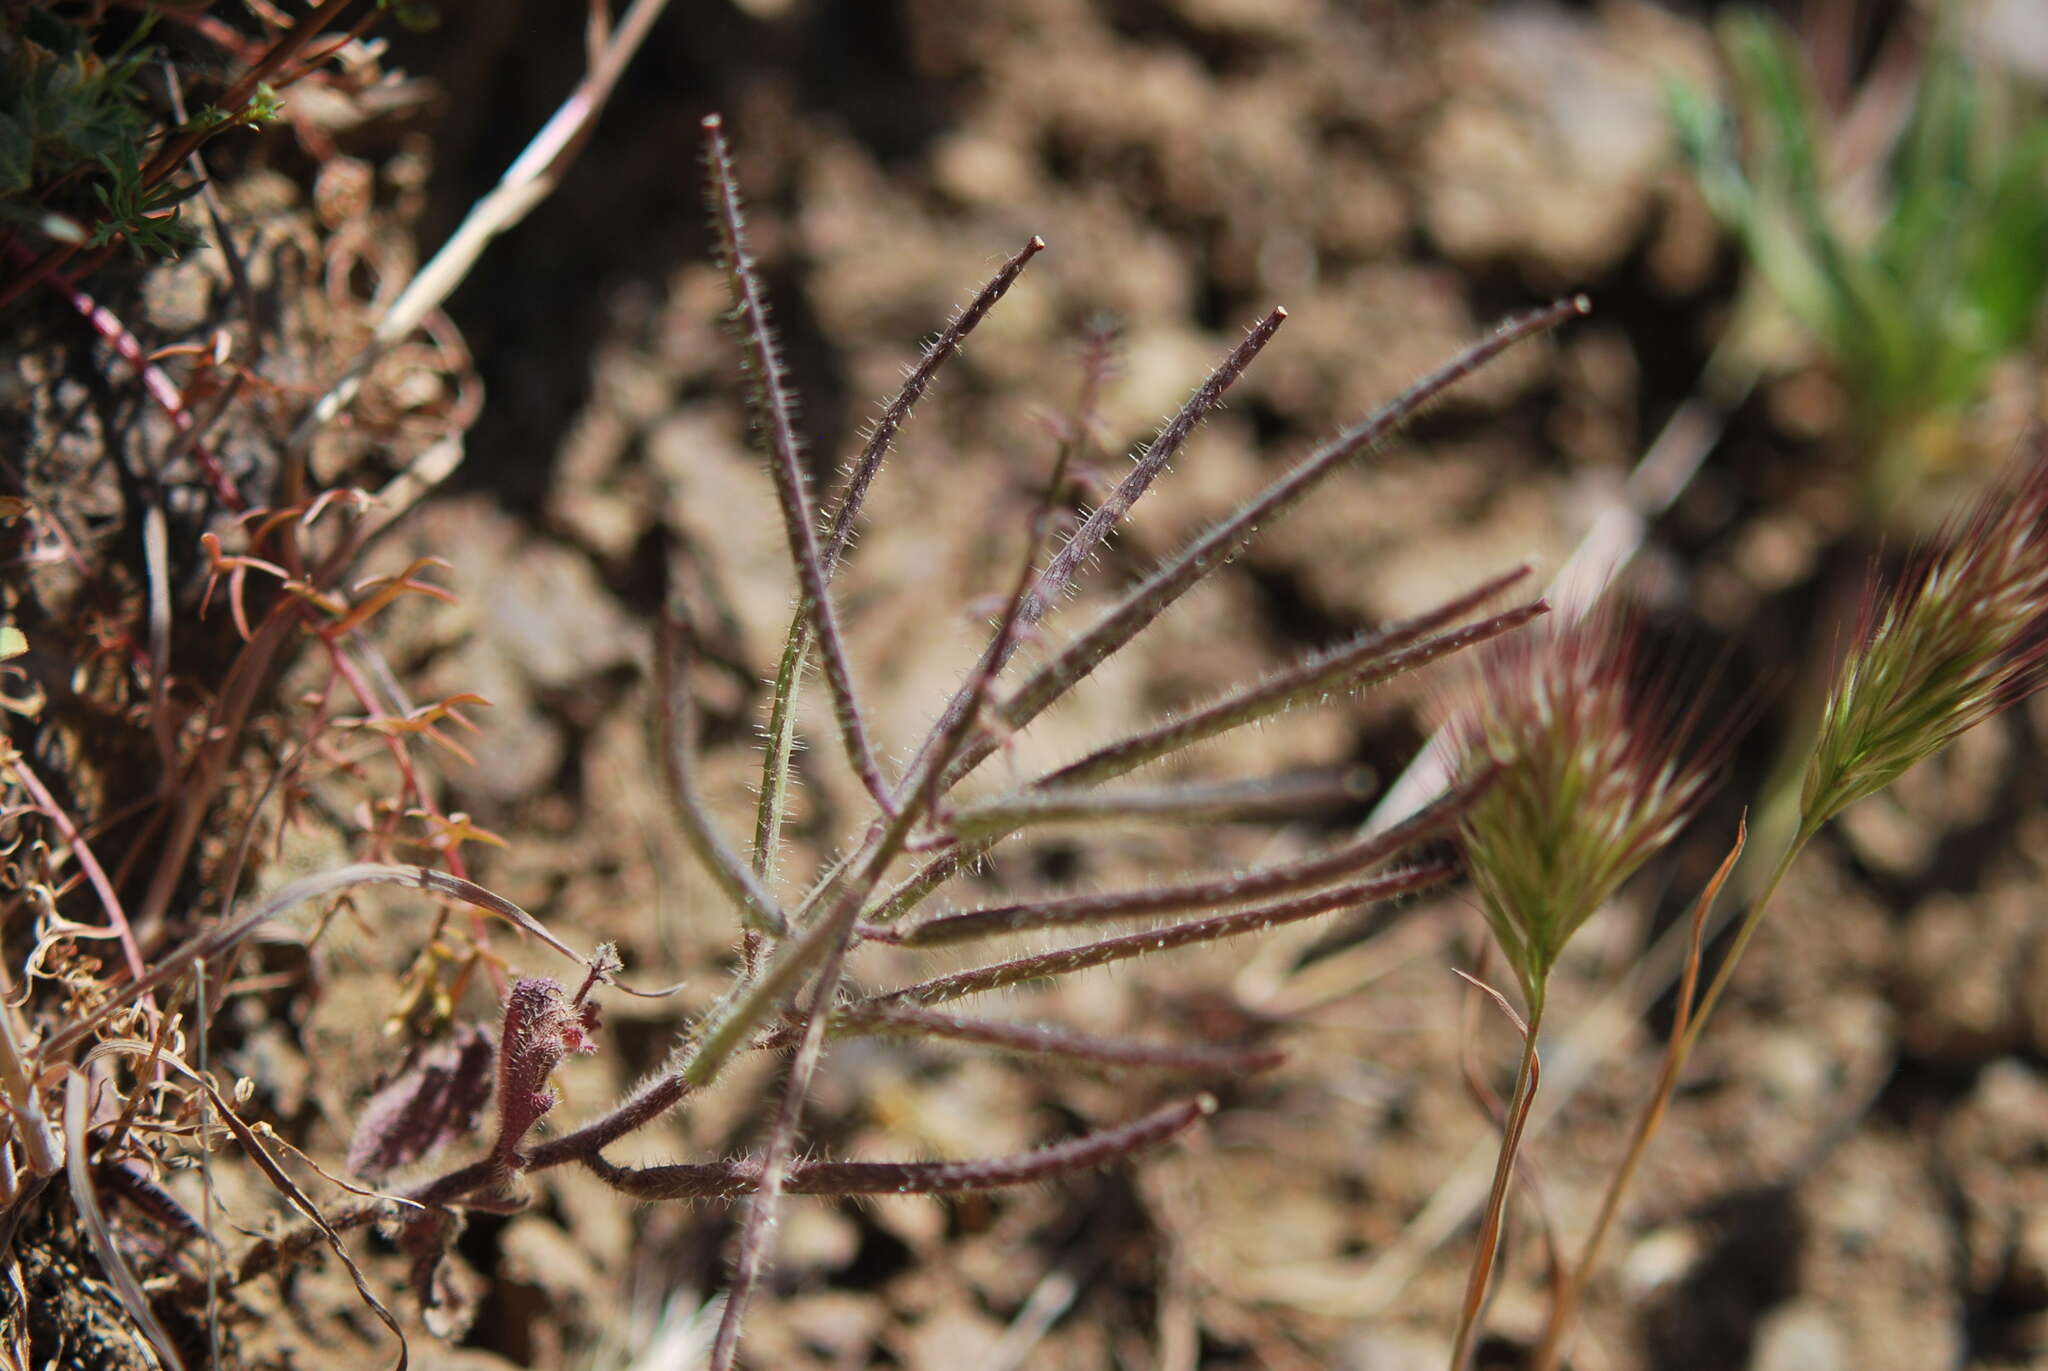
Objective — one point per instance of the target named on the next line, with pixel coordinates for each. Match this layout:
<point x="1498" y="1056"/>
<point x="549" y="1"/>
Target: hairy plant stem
<point x="1067" y="960"/>
<point x="777" y="409"/>
<point x="742" y="884"/>
<point x="1257" y="883"/>
<point x="1059" y="573"/>
<point x="837" y="929"/>
<point x="1212" y="549"/>
<point x="1364" y="661"/>
<point x="1087" y="1152"/>
<point x="1527" y="1075"/>
<point x="796" y="645"/>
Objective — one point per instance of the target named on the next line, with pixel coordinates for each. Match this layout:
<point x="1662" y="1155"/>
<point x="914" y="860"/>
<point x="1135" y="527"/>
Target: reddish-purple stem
<point x="1071" y="959"/>
<point x="1085" y="1153"/>
<point x="1059" y="574"/>
<point x="1258" y="883"/>
<point x="1057" y="1041"/>
<point x="898" y="411"/>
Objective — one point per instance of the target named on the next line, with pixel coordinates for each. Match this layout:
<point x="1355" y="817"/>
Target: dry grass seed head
<point x="1962" y="635"/>
<point x="1595" y="771"/>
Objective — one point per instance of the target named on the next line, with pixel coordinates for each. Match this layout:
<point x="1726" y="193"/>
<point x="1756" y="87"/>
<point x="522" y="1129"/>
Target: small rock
<point x="1798" y="1336"/>
<point x="1394" y="1351"/>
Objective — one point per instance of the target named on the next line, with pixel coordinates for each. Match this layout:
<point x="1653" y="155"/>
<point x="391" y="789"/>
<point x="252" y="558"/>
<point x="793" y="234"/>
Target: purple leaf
<point x="439" y="1097"/>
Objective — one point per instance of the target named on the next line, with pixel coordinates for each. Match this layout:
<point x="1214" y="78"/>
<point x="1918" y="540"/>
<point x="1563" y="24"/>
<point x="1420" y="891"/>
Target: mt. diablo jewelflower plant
<point x="496" y="1095"/>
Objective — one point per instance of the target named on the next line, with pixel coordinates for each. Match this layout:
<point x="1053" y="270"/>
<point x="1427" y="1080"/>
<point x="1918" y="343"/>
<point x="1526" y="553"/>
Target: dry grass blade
<point x="1572" y="1280"/>
<point x="40" y="1140"/>
<point x="1528" y="1076"/>
<point x="86" y="1197"/>
<point x="225" y="937"/>
<point x="530" y="179"/>
<point x="299" y="1200"/>
<point x="280" y="1179"/>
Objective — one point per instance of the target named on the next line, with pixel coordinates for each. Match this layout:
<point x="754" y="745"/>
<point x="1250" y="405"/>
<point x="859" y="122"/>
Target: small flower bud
<point x="541" y="1027"/>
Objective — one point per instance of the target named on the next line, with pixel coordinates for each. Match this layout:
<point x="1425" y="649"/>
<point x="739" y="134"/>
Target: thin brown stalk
<point x="81" y="852"/>
<point x="1479" y="1280"/>
<point x="1564" y="1308"/>
<point x="207" y="771"/>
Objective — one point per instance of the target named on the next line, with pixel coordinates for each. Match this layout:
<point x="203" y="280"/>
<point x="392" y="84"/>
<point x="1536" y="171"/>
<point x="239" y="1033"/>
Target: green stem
<point x="781" y="745"/>
<point x="1526" y="1078"/>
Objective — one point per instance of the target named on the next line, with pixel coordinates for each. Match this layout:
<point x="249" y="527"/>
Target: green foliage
<point x="78" y="130"/>
<point x="414" y="16"/>
<point x="1914" y="308"/>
